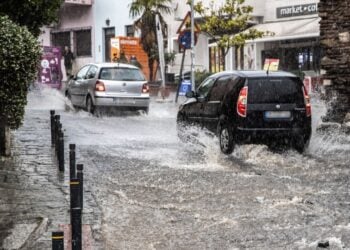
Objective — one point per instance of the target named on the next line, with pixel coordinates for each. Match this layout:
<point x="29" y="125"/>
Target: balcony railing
<point x="80" y="2"/>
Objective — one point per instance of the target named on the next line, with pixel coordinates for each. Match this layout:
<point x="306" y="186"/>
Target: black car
<point x="250" y="107"/>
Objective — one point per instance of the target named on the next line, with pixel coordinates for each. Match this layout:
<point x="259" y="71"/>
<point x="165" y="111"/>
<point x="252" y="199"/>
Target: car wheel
<point x="226" y="138"/>
<point x="89" y="105"/>
<point x="146" y="110"/>
<point x="299" y="144"/>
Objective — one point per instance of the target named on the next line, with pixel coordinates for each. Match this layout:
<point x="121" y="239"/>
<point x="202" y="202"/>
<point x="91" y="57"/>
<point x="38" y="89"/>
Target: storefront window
<point x="295" y="55"/>
<point x="216" y="59"/>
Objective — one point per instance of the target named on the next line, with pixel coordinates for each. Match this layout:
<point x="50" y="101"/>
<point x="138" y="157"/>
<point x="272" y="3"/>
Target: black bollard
<point x="57" y="240"/>
<point x="75" y="213"/>
<point x="57" y="128"/>
<point x="71" y="161"/>
<point x="61" y="151"/>
<point x="80" y="177"/>
<point x="76" y="229"/>
<point x="52" y="123"/>
<point x="74" y="193"/>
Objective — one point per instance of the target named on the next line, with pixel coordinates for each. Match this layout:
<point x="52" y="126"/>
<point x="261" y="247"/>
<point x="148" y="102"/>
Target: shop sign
<point x="50" y="67"/>
<point x="271" y="64"/>
<point x="297" y="10"/>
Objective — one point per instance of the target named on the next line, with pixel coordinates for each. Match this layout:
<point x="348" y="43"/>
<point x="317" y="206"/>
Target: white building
<point x="87" y="25"/>
<point x="295" y="41"/>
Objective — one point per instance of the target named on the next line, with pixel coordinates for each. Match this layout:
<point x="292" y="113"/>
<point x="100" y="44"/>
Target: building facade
<point x="294" y="38"/>
<point x="87" y="26"/>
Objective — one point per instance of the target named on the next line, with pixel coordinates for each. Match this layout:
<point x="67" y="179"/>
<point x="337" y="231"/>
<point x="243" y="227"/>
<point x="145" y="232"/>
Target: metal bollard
<point x="57" y="240"/>
<point x="61" y="151"/>
<point x="57" y="128"/>
<point x="52" y="123"/>
<point x="75" y="213"/>
<point x="72" y="161"/>
<point x="80" y="177"/>
<point x="76" y="229"/>
<point x="74" y="193"/>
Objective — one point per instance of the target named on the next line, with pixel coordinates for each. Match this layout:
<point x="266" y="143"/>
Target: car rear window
<point x="121" y="74"/>
<point x="275" y="90"/>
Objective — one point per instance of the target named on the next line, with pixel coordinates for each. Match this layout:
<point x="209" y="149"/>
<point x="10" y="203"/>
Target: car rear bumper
<point x="268" y="134"/>
<point x="122" y="101"/>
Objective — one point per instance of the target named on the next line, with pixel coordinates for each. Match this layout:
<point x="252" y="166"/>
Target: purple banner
<point x="50" y="71"/>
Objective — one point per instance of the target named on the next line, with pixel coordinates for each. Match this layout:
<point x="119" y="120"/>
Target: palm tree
<point x="146" y="23"/>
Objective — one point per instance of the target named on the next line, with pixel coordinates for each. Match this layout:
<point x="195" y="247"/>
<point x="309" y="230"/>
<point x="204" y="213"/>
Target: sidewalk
<point x="33" y="200"/>
<point x="34" y="197"/>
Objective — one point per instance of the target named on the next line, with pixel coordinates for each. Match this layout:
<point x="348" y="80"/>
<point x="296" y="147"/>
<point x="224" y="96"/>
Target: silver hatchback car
<point x="114" y="85"/>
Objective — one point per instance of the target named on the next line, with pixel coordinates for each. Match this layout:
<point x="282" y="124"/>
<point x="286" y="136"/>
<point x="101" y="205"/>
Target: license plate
<point x="123" y="101"/>
<point x="277" y="114"/>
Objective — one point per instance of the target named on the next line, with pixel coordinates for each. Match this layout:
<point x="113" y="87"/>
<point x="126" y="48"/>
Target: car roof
<point x="254" y="73"/>
<point x="114" y="65"/>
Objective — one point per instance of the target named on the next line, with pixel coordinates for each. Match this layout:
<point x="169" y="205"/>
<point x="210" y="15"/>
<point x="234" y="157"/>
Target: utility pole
<point x="192" y="47"/>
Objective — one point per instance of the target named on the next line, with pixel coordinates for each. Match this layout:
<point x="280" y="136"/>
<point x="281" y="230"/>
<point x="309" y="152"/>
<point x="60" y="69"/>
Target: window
<point x="219" y="89"/>
<point x="61" y="39"/>
<point x="216" y="59"/>
<point x="82" y="73"/>
<point x="121" y="74"/>
<point x="92" y="72"/>
<point x="275" y="90"/>
<point x="129" y="30"/>
<point x="83" y="42"/>
<point x="205" y="87"/>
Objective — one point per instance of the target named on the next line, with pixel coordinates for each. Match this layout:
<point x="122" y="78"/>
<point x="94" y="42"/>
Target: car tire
<point x="146" y="110"/>
<point x="89" y="105"/>
<point x="226" y="138"/>
<point x="299" y="144"/>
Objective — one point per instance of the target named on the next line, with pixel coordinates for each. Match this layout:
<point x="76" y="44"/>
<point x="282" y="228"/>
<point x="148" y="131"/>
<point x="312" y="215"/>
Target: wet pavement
<point x="147" y="190"/>
<point x="34" y="197"/>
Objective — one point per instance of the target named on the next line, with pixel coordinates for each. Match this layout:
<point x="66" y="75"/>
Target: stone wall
<point x="335" y="41"/>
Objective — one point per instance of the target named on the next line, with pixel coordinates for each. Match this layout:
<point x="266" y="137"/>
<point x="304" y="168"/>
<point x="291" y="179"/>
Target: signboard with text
<point x="50" y="72"/>
<point x="271" y="64"/>
<point x="297" y="10"/>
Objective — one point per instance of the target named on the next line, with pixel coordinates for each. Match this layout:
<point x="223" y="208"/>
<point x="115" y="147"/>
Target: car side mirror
<point x="201" y="98"/>
<point x="190" y="94"/>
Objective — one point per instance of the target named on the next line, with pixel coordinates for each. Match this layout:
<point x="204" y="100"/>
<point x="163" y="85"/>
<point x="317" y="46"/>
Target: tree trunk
<point x="5" y="140"/>
<point x="150" y="66"/>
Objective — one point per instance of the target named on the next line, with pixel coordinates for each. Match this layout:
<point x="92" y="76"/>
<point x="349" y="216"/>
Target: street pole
<point x="192" y="47"/>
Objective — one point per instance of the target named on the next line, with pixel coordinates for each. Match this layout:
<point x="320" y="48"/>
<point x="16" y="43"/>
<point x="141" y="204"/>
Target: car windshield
<point x="121" y="74"/>
<point x="274" y="90"/>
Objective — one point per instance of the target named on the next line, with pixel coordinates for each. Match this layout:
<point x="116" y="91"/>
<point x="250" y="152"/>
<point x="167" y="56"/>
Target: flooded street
<point x="154" y="192"/>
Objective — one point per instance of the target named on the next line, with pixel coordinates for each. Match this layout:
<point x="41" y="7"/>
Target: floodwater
<point x="153" y="192"/>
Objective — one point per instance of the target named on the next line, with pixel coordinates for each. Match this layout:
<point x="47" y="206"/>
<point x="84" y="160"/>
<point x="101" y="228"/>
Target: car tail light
<point x="242" y="102"/>
<point x="100" y="86"/>
<point x="145" y="88"/>
<point x="307" y="102"/>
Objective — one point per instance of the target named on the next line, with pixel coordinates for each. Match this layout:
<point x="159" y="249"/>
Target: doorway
<point x="108" y="34"/>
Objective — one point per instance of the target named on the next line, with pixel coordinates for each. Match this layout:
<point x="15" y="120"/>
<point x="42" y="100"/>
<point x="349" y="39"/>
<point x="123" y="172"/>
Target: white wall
<point x="45" y="37"/>
<point x="117" y="11"/>
<point x="180" y="8"/>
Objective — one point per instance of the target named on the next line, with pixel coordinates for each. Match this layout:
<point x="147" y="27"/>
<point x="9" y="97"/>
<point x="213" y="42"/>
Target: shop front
<point x="293" y="38"/>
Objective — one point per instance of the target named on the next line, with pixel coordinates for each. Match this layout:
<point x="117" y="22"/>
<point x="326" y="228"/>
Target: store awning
<point x="295" y="29"/>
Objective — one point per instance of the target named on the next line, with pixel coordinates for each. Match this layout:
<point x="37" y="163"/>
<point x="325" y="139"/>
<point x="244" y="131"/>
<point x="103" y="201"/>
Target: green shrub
<point x="19" y="57"/>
